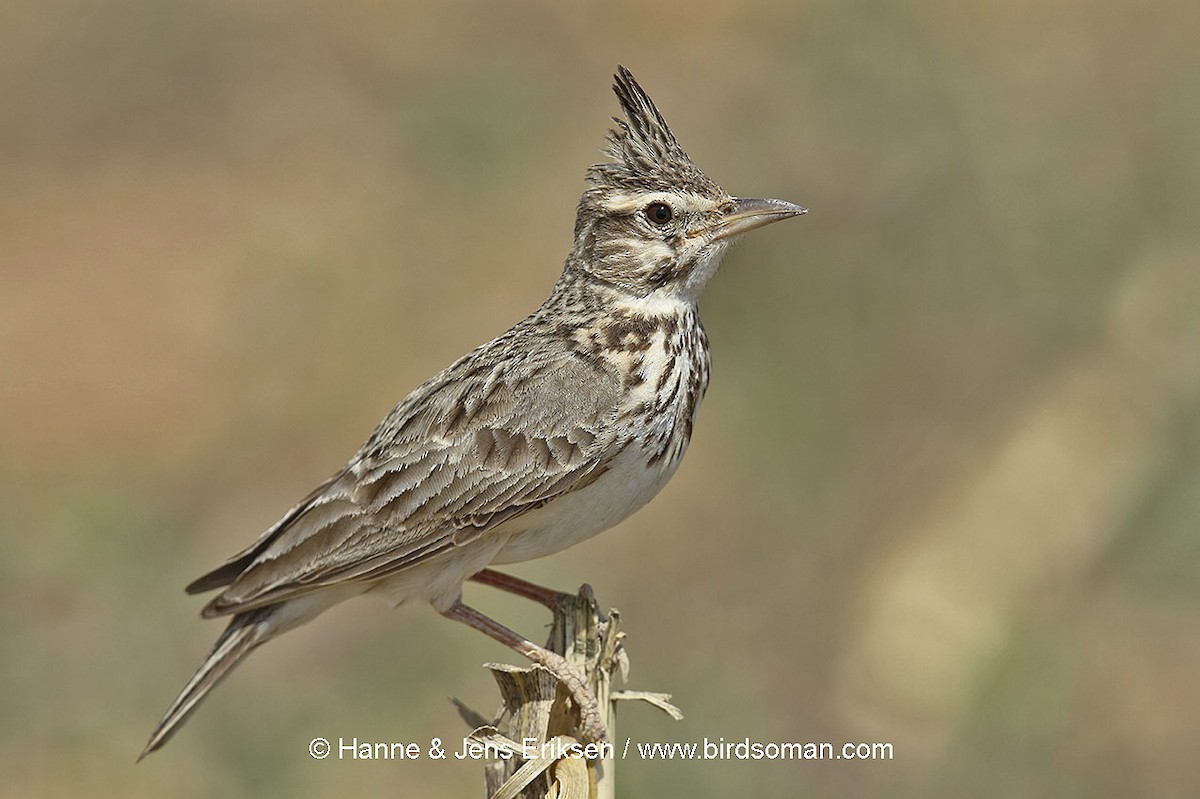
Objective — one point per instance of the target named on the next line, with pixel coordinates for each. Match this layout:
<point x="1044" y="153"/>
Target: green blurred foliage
<point x="943" y="492"/>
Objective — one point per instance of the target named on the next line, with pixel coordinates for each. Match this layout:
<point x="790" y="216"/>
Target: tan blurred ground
<point x="945" y="491"/>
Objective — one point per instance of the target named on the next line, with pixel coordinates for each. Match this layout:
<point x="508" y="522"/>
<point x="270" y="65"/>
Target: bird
<point x="550" y="433"/>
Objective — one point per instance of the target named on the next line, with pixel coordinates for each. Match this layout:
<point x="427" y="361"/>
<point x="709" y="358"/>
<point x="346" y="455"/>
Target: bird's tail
<point x="245" y="632"/>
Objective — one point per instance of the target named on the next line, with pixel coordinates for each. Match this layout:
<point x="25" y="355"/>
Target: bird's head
<point x="652" y="221"/>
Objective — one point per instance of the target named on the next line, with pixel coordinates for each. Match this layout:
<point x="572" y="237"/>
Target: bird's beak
<point x="752" y="212"/>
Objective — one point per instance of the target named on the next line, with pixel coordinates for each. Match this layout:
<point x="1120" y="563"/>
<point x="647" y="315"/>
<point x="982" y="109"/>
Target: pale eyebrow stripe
<point x="626" y="201"/>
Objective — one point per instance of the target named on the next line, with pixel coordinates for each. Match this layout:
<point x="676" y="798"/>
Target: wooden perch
<point x="535" y="739"/>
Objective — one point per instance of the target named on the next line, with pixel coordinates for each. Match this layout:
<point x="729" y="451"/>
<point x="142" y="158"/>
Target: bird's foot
<point x="591" y="726"/>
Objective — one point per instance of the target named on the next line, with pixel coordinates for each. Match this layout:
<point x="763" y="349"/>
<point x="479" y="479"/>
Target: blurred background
<point x="945" y="489"/>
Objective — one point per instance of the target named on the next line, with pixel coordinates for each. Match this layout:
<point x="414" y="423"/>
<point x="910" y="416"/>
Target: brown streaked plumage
<point x="550" y="433"/>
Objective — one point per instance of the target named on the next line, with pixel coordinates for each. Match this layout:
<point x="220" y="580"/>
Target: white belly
<point x="628" y="484"/>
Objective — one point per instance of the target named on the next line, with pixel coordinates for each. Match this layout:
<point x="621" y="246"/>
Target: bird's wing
<point x="483" y="442"/>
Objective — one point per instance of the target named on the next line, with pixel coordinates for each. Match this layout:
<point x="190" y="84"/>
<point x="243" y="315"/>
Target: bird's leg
<point x="515" y="585"/>
<point x="589" y="709"/>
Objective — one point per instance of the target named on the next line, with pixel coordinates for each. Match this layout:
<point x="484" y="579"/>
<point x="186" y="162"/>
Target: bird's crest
<point x="647" y="155"/>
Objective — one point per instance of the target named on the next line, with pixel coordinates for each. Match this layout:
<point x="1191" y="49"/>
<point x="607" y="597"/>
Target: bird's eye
<point x="659" y="213"/>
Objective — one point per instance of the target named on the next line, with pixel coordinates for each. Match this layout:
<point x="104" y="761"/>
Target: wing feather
<point x="468" y="450"/>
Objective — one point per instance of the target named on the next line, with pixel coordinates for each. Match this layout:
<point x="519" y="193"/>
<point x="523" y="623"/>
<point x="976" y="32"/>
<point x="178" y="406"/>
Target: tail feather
<point x="245" y="632"/>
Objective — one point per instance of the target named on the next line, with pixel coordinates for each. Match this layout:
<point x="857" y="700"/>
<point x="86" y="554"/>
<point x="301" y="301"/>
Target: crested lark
<point x="550" y="433"/>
